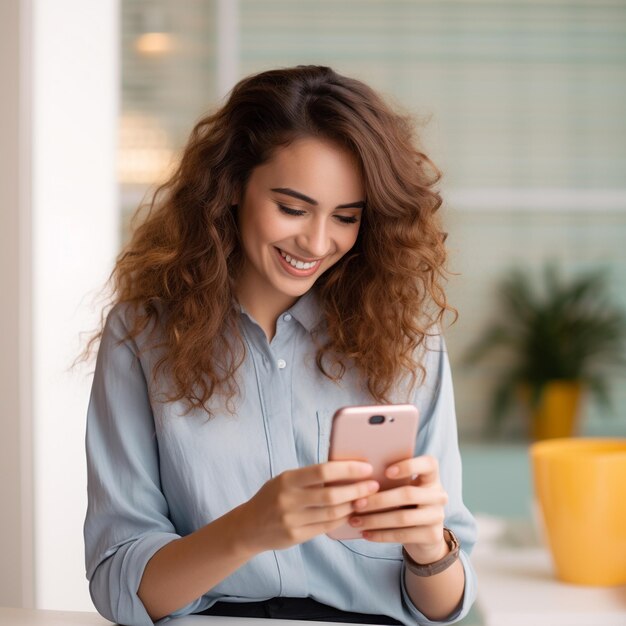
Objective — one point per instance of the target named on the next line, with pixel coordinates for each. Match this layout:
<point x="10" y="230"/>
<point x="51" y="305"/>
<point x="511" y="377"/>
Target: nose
<point x="314" y="240"/>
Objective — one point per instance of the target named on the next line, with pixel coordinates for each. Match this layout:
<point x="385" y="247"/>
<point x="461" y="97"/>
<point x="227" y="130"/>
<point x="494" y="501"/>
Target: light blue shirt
<point x="155" y="474"/>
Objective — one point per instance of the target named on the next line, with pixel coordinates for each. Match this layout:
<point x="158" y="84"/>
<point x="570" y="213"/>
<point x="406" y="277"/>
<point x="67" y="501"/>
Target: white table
<point x="517" y="586"/>
<point x="39" y="617"/>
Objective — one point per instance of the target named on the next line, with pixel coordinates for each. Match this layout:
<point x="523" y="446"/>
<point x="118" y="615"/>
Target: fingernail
<point x="355" y="521"/>
<point x="360" y="504"/>
<point x="392" y="471"/>
<point x="366" y="469"/>
<point x="372" y="486"/>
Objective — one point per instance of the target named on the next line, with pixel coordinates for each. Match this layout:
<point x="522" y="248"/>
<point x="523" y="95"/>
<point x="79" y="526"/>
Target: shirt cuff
<point x="469" y="596"/>
<point x="130" y="608"/>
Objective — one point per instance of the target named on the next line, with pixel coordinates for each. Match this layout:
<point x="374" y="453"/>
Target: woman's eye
<point x="347" y="220"/>
<point x="344" y="219"/>
<point x="288" y="211"/>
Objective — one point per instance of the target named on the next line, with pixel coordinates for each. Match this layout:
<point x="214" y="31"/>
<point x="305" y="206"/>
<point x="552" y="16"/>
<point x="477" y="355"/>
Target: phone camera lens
<point x="377" y="419"/>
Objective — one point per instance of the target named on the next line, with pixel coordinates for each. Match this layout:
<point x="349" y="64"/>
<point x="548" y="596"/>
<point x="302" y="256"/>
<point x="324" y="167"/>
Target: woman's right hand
<point x="299" y="504"/>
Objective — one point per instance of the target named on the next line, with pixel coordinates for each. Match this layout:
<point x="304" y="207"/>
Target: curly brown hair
<point x="181" y="264"/>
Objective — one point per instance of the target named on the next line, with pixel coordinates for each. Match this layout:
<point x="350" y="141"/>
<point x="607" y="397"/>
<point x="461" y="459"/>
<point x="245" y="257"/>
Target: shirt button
<point x="282" y="364"/>
<point x="287" y="317"/>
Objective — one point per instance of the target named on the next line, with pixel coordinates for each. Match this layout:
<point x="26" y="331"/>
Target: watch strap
<point x="438" y="566"/>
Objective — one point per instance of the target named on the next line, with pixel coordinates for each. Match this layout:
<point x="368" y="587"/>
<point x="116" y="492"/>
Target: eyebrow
<point x="300" y="196"/>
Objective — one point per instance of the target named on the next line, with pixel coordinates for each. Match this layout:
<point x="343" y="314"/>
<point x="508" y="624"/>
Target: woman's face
<point x="300" y="214"/>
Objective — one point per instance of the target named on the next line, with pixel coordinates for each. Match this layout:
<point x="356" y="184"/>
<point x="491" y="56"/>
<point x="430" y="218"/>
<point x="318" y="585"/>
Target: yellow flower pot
<point x="580" y="486"/>
<point x="556" y="415"/>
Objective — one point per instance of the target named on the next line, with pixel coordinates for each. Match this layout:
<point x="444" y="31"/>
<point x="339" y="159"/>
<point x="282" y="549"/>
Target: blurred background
<point x="519" y="103"/>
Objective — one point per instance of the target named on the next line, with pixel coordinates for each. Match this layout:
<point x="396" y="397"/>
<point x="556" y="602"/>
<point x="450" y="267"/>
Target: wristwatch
<point x="438" y="566"/>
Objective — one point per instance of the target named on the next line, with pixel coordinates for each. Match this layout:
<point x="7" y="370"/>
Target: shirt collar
<point x="307" y="310"/>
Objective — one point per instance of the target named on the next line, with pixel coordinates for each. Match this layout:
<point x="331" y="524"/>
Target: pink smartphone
<point x="378" y="434"/>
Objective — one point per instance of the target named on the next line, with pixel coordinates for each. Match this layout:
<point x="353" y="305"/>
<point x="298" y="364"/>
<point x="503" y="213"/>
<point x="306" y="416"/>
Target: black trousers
<point x="295" y="608"/>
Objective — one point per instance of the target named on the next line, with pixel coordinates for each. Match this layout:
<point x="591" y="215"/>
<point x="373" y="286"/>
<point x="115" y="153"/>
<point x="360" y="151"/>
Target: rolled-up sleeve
<point x="438" y="437"/>
<point x="127" y="514"/>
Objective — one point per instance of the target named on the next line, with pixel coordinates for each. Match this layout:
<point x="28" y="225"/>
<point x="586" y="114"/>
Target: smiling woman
<point x="301" y="241"/>
<point x="293" y="264"/>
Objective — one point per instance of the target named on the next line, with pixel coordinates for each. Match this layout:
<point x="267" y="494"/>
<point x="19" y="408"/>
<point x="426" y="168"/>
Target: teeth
<point x="300" y="265"/>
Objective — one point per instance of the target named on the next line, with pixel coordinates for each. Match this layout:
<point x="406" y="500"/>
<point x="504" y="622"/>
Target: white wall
<point x="75" y="226"/>
<point x="68" y="208"/>
<point x="16" y="520"/>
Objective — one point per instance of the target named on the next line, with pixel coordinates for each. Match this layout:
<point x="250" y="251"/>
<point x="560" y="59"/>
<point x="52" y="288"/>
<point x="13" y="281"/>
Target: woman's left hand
<point x="420" y="527"/>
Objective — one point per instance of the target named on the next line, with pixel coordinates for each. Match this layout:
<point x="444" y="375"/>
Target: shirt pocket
<point x="324" y="426"/>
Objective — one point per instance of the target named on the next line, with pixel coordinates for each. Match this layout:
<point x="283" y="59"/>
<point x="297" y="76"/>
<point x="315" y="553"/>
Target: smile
<point x="298" y="267"/>
<point x="301" y="265"/>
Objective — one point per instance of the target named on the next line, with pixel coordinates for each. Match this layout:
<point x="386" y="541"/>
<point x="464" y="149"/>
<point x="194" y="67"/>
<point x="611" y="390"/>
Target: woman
<point x="291" y="265"/>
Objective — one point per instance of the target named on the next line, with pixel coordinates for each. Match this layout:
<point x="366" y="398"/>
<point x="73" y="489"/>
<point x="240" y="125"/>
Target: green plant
<point x="565" y="330"/>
